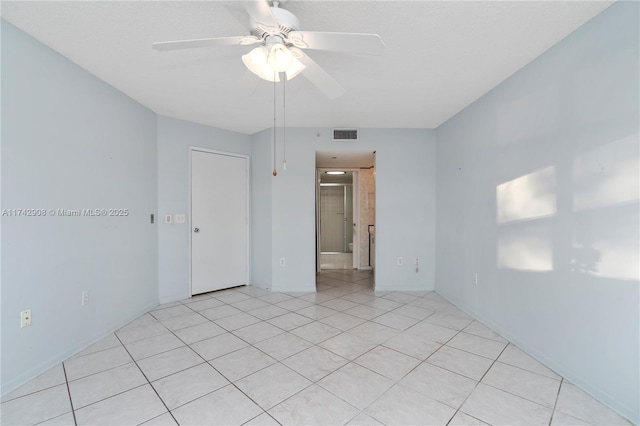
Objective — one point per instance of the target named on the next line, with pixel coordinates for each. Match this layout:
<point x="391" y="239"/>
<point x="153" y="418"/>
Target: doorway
<point x="345" y="210"/>
<point x="219" y="220"/>
<point x="337" y="219"/>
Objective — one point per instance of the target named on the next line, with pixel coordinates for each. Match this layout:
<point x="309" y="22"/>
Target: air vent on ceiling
<point x="345" y="134"/>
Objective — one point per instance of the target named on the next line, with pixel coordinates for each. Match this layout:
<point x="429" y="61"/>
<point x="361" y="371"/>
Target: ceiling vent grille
<point x="345" y="134"/>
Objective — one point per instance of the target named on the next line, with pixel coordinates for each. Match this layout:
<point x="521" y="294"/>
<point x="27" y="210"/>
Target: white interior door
<point x="219" y="221"/>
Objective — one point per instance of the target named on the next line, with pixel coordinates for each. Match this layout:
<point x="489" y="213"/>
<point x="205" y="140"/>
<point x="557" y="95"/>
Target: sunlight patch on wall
<point x="607" y="175"/>
<point x="619" y="259"/>
<point x="527" y="197"/>
<point x="525" y="247"/>
<point x="606" y="248"/>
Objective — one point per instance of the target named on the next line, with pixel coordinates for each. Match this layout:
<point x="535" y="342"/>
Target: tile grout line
<point x="555" y="403"/>
<point x="66" y="380"/>
<point x="204" y="362"/>
<point x="312" y="383"/>
<point x="149" y="383"/>
<point x="528" y="371"/>
<point x="29" y="393"/>
<point x="263" y="412"/>
<point x="76" y="356"/>
<point x="101" y="371"/>
<point x="425" y="361"/>
<point x="476" y="386"/>
<point x="231" y="383"/>
<point x="531" y="371"/>
<point x="477" y="382"/>
<point x="350" y="361"/>
<point x="350" y="291"/>
<point x="397" y="382"/>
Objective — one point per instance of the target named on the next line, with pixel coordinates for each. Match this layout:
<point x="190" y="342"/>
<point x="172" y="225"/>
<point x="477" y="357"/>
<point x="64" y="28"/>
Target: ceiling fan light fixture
<point x="277" y="33"/>
<point x="280" y="58"/>
<point x="270" y="74"/>
<point x="268" y="62"/>
<point x="258" y="56"/>
<point x="256" y="61"/>
<point x="296" y="68"/>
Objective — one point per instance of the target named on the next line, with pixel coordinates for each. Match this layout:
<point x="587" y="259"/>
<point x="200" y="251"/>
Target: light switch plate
<point x="180" y="218"/>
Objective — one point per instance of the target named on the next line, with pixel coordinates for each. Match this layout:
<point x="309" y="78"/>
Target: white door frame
<point x="356" y="219"/>
<point x="317" y="210"/>
<point x="248" y="228"/>
<point x="356" y="211"/>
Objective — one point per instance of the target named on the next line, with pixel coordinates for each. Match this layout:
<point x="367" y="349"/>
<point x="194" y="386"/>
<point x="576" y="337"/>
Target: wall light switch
<point x="180" y="218"/>
<point x="167" y="219"/>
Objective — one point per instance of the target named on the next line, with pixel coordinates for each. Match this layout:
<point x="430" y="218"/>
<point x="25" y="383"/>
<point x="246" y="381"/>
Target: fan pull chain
<point x="284" y="123"/>
<point x="275" y="172"/>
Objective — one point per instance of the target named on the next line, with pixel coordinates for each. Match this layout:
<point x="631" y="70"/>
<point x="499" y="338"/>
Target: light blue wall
<point x="174" y="138"/>
<point x="70" y="141"/>
<point x="556" y="251"/>
<point x="261" y="206"/>
<point x="405" y="204"/>
<point x="405" y="208"/>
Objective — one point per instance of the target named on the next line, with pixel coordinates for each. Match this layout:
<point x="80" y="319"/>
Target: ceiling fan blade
<point x="206" y="42"/>
<point x="319" y="77"/>
<point x="260" y="11"/>
<point x="370" y="44"/>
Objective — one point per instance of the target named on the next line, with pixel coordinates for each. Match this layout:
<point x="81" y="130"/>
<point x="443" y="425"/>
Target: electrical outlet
<point x="180" y="218"/>
<point x="25" y="318"/>
<point x="85" y="298"/>
<point x="282" y="263"/>
<point x="400" y="261"/>
<point x="475" y="278"/>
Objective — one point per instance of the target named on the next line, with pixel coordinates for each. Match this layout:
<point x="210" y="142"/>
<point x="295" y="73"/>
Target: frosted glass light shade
<point x="269" y="63"/>
<point x="295" y="68"/>
<point x="280" y="57"/>
<point x="257" y="62"/>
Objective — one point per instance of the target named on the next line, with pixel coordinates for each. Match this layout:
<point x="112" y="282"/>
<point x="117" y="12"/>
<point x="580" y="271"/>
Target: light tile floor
<point x="336" y="261"/>
<point x="343" y="355"/>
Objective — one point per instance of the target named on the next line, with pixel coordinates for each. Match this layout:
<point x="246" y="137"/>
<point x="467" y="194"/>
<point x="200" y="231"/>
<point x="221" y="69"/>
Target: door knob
<point x="196" y="229"/>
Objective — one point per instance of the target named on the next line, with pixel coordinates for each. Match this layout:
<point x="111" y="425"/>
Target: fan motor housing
<point x="287" y="22"/>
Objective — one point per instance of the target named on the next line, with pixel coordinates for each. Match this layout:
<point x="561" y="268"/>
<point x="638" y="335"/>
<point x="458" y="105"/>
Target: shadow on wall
<point x="604" y="188"/>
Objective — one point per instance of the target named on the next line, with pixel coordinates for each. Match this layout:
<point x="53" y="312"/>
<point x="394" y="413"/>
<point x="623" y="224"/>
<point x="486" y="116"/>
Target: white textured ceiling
<point x="440" y="56"/>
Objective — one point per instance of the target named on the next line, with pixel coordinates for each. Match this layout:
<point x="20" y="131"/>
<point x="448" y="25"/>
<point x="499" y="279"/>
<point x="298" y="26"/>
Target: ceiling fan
<point x="281" y="46"/>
